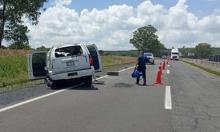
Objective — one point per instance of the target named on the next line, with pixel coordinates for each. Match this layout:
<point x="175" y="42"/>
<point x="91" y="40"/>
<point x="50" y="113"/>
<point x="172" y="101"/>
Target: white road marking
<point x="100" y="77"/>
<point x="47" y="95"/>
<point x="168" y="71"/>
<point x="168" y="101"/>
<point x="30" y="100"/>
<point x="126" y="69"/>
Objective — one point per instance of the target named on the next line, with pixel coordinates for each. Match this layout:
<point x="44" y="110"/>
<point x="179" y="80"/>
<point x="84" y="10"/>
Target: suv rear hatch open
<point x="70" y="58"/>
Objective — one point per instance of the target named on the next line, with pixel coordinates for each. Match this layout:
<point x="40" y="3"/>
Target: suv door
<point x="93" y="50"/>
<point x="37" y="64"/>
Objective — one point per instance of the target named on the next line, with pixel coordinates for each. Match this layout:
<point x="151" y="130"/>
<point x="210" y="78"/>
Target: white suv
<point x="67" y="61"/>
<point x="150" y="57"/>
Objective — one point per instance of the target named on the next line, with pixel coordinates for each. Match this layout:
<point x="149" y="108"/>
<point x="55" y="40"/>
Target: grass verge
<point x="109" y="61"/>
<point x="203" y="68"/>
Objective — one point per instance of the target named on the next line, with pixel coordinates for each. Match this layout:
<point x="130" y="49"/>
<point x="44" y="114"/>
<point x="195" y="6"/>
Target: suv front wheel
<point x="152" y="63"/>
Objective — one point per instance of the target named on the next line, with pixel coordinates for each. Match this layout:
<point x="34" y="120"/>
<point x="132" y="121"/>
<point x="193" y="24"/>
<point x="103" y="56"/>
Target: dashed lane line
<point x="168" y="101"/>
<point x="168" y="71"/>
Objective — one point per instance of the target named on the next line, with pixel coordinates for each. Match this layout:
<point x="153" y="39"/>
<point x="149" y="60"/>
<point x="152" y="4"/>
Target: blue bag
<point x="136" y="73"/>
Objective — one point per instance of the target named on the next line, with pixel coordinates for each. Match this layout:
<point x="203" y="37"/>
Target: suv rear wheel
<point x="51" y="83"/>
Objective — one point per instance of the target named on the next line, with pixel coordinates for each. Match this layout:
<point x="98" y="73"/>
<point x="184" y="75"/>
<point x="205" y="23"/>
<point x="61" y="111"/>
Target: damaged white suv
<point x="67" y="61"/>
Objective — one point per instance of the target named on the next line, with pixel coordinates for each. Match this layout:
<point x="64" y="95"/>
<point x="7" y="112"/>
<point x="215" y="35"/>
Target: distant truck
<point x="174" y="54"/>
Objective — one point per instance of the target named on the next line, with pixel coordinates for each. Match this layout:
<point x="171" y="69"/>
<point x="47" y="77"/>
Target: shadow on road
<point x="73" y="85"/>
<point x="84" y="88"/>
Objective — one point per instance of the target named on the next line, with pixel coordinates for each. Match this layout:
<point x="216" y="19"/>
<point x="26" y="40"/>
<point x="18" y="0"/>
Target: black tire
<point x="53" y="85"/>
<point x="88" y="81"/>
<point x="152" y="63"/>
<point x="50" y="83"/>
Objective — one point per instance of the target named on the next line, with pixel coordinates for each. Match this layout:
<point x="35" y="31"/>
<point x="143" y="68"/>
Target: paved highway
<point x="121" y="106"/>
<point x="196" y="99"/>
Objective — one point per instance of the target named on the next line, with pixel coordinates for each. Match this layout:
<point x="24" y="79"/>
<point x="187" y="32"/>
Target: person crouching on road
<point x="141" y="67"/>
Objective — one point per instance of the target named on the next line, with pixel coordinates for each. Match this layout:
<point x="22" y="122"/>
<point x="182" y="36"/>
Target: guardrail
<point x="205" y="63"/>
<point x="215" y="58"/>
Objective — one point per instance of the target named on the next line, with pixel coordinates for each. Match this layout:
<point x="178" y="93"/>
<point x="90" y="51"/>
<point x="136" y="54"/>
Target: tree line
<point x="201" y="50"/>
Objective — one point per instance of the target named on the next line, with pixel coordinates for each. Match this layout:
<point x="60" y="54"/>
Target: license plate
<point x="70" y="63"/>
<point x="72" y="74"/>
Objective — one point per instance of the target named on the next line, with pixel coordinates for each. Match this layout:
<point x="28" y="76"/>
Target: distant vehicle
<point x="67" y="61"/>
<point x="174" y="54"/>
<point x="150" y="57"/>
<point x="164" y="57"/>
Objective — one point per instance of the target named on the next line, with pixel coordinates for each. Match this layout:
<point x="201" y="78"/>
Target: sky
<point x="111" y="23"/>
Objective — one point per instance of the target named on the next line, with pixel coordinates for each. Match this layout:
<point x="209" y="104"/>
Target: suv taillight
<point x="90" y="60"/>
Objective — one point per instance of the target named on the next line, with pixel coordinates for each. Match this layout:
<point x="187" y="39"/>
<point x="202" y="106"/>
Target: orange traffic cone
<point x="158" y="78"/>
<point x="161" y="69"/>
<point x="164" y="65"/>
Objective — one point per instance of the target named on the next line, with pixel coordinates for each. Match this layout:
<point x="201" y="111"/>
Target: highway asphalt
<point x="196" y="99"/>
<point x="119" y="105"/>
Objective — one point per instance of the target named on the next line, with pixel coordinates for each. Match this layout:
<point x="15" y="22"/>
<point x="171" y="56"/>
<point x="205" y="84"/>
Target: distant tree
<point x="145" y="38"/>
<point x="184" y="51"/>
<point x="11" y="14"/>
<point x="42" y="48"/>
<point x="17" y="35"/>
<point x="18" y="45"/>
<point x="156" y="48"/>
<point x="203" y="50"/>
<point x="101" y="52"/>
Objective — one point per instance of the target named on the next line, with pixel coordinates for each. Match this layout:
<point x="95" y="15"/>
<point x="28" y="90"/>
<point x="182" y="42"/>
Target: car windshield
<point x="148" y="54"/>
<point x="68" y="51"/>
<point x="175" y="53"/>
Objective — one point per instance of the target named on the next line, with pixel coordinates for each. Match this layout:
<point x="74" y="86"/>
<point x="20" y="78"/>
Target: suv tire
<point x="152" y="63"/>
<point x="50" y="83"/>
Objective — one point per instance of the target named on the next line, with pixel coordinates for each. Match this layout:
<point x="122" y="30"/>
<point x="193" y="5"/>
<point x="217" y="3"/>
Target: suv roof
<point x="65" y="45"/>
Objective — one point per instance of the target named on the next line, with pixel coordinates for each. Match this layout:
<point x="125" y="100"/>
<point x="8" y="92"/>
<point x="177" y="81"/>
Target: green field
<point x="13" y="67"/>
<point x="112" y="60"/>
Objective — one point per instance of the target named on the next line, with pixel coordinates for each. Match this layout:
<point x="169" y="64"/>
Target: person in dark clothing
<point x="141" y="67"/>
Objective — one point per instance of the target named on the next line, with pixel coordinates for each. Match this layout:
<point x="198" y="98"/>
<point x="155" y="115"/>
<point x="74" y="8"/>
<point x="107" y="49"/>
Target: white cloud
<point x="63" y="2"/>
<point x="111" y="28"/>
